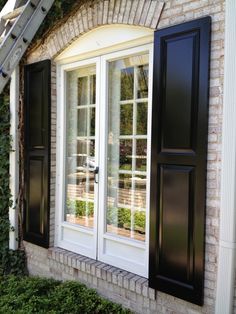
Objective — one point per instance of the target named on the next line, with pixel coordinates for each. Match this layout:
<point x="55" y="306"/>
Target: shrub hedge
<point x="39" y="295"/>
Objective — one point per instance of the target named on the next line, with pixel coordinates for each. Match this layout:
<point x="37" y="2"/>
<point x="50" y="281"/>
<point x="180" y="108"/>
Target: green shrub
<point x="38" y="295"/>
<point x="139" y="220"/>
<point x="112" y="217"/>
<point x="80" y="208"/>
<point x="121" y="217"/>
<point x="124" y="217"/>
<point x="90" y="209"/>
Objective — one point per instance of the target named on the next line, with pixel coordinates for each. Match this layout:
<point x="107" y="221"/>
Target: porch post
<point x="227" y="239"/>
<point x="14" y="159"/>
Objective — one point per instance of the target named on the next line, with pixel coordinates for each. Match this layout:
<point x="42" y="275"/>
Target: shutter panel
<point x="179" y="148"/>
<point x="37" y="152"/>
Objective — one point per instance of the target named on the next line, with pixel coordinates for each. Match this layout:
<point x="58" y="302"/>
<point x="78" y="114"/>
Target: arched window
<point x="105" y="113"/>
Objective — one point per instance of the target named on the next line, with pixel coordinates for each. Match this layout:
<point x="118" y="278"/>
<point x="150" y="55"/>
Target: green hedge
<point x="120" y="217"/>
<point x="80" y="208"/>
<point x="39" y="295"/>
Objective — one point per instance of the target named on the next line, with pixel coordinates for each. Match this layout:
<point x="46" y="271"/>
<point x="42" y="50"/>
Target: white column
<point x="227" y="241"/>
<point x="14" y="159"/>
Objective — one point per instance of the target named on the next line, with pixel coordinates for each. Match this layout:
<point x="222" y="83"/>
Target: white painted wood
<point x="227" y="241"/>
<point x="66" y="235"/>
<point x="14" y="159"/>
<point x="105" y="39"/>
<point x="128" y="254"/>
<point x="108" y="247"/>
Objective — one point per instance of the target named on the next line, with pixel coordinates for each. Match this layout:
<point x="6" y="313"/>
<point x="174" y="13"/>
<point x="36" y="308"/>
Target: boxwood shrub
<point x="39" y="295"/>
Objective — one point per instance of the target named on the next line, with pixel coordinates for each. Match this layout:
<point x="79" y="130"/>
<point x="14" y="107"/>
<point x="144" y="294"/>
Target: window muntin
<point x="80" y="146"/>
<point x="127" y="253"/>
<point x="127" y="146"/>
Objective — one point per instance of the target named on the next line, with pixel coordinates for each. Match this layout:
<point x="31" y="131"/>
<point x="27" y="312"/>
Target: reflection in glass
<point x="127" y="147"/>
<point x="82" y="122"/>
<point x="141" y="154"/>
<point x="82" y="90"/>
<point x="80" y="141"/>
<point x="92" y="122"/>
<point x="126" y="83"/>
<point x="142" y="81"/>
<point x="142" y="118"/>
<point x="140" y="183"/>
<point x="126" y="154"/>
<point x="92" y="89"/>
<point x="126" y="119"/>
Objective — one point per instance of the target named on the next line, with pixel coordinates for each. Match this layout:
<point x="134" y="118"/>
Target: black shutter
<point x="179" y="147"/>
<point x="37" y="152"/>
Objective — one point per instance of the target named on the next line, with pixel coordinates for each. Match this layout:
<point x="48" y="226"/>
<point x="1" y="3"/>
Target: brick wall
<point x="144" y="13"/>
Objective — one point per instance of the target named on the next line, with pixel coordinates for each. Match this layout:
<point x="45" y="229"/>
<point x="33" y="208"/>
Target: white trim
<point x="61" y="149"/>
<point x="141" y="250"/>
<point x="105" y="39"/>
<point x="14" y="159"/>
<point x="123" y="261"/>
<point x="227" y="244"/>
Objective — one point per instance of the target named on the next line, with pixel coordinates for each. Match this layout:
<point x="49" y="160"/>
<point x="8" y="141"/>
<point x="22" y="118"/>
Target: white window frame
<point x="101" y="111"/>
<point x="63" y="226"/>
<point x="102" y="236"/>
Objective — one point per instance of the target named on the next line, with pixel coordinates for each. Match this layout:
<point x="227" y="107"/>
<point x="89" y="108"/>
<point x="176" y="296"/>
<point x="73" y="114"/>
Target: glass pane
<point x="126" y="154"/>
<point x="141" y="155"/>
<point x="142" y="118"/>
<point x="92" y="121"/>
<point x="82" y="91"/>
<point x="127" y="83"/>
<point x="140" y="183"/>
<point x="124" y="191"/>
<point x="142" y="81"/>
<point x="127" y="120"/>
<point x="139" y="224"/>
<point x="80" y="154"/>
<point x="82" y="121"/>
<point x="92" y="89"/>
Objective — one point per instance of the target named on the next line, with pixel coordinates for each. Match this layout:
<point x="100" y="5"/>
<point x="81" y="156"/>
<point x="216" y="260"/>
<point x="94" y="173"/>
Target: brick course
<point x="124" y="288"/>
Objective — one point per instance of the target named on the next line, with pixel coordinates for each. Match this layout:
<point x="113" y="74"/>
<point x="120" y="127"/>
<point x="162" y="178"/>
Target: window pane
<point x="127" y="83"/>
<point x="80" y="154"/>
<point x="82" y="91"/>
<point x="92" y="80"/>
<point x="126" y="154"/>
<point x="142" y="118"/>
<point x="141" y="155"/>
<point x="140" y="183"/>
<point x="82" y="121"/>
<point x="92" y="122"/>
<point x="142" y="81"/>
<point x="127" y="121"/>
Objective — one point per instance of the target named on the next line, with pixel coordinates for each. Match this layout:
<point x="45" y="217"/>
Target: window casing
<point x="115" y="232"/>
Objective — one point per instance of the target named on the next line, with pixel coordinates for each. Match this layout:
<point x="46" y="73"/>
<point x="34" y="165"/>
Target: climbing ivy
<point x="59" y="10"/>
<point x="14" y="261"/>
<point x="10" y="261"/>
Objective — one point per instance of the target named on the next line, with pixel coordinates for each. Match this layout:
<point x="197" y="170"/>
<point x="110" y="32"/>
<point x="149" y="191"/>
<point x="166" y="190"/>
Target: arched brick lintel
<point x="145" y="13"/>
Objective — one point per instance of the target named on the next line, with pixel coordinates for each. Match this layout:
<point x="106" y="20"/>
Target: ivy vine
<point x="14" y="261"/>
<point x="10" y="261"/>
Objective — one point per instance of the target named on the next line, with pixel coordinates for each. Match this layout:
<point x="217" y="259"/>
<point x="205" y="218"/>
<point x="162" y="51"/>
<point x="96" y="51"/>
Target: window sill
<point x="103" y="271"/>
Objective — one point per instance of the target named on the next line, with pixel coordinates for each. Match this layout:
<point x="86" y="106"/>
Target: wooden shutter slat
<point x="37" y="152"/>
<point x="179" y="147"/>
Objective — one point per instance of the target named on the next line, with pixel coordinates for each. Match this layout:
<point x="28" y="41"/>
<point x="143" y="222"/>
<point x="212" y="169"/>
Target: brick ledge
<point x="103" y="271"/>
